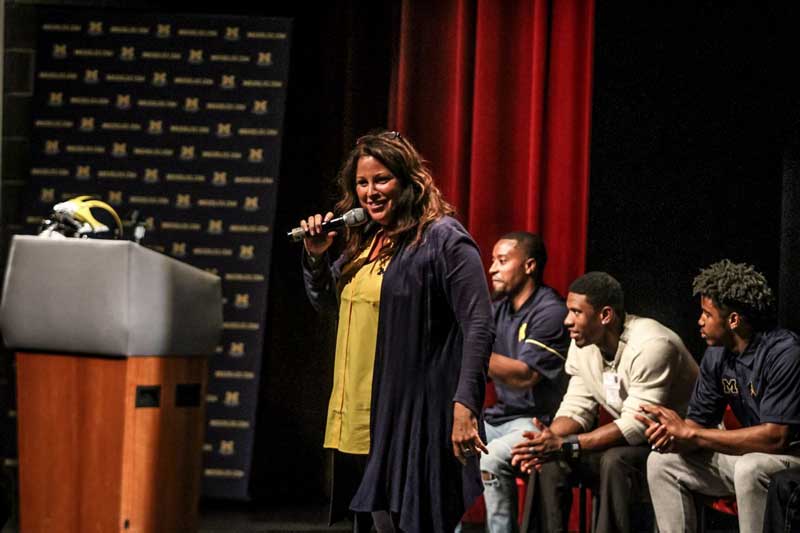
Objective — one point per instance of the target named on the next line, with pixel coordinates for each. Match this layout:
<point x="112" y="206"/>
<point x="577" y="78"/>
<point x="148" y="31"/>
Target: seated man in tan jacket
<point x="619" y="362"/>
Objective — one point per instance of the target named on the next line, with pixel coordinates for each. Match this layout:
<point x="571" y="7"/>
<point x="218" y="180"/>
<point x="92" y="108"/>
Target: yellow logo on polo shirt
<point x="729" y="386"/>
<point x="523" y="330"/>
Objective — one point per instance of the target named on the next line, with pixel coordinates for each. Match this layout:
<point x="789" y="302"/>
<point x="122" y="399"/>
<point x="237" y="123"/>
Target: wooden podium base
<point x="109" y="443"/>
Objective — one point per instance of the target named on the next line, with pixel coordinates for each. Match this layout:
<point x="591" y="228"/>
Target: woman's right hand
<point x="315" y="242"/>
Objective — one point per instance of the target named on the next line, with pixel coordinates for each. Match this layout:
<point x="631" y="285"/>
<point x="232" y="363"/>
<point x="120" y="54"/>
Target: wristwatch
<point x="571" y="447"/>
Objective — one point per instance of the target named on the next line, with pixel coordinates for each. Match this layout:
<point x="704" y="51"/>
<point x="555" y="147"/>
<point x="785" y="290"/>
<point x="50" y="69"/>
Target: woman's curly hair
<point x="737" y="287"/>
<point x="420" y="201"/>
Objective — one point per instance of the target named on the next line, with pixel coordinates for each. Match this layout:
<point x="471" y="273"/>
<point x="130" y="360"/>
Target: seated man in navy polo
<point x="750" y="366"/>
<point x="527" y="365"/>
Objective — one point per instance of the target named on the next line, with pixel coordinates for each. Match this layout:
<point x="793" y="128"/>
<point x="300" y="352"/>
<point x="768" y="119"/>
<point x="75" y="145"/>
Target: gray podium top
<point x="113" y="298"/>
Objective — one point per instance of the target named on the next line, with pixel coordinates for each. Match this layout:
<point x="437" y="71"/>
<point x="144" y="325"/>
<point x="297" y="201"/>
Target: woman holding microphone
<point x="413" y="343"/>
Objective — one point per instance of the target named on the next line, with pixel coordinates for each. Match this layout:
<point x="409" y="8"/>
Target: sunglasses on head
<point x="388" y="135"/>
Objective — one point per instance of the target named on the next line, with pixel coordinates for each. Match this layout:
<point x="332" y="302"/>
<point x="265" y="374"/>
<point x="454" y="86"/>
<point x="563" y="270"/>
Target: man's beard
<point x="498" y="294"/>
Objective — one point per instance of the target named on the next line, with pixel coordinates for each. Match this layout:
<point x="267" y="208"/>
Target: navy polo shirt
<point x="760" y="385"/>
<point x="534" y="334"/>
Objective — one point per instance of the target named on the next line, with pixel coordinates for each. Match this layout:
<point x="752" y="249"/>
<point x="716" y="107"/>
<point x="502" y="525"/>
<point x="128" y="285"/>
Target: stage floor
<point x="239" y="519"/>
<point x="230" y="517"/>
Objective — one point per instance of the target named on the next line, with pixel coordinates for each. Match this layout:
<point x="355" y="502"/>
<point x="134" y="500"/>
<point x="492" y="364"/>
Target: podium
<point x="112" y="342"/>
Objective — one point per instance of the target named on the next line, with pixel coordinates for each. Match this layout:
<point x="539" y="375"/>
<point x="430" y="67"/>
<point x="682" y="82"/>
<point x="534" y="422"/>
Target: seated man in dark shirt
<point x="754" y="368"/>
<point x="527" y="365"/>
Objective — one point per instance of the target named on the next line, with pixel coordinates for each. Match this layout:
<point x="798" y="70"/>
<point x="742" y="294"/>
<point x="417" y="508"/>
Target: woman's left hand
<point x="466" y="439"/>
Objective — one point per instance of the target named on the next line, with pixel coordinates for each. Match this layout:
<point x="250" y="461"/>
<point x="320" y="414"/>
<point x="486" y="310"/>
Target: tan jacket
<point x="653" y="366"/>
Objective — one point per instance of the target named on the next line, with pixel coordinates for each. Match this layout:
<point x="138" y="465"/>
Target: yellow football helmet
<point x="74" y="218"/>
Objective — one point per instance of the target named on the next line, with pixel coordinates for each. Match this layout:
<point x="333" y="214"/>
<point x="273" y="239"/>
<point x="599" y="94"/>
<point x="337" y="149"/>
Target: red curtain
<point x="497" y="96"/>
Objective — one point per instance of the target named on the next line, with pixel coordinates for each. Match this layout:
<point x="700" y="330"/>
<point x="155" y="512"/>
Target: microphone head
<point x="296" y="235"/>
<point x="355" y="217"/>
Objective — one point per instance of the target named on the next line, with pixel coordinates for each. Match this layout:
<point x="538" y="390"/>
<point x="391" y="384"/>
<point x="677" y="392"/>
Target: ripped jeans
<point x="500" y="493"/>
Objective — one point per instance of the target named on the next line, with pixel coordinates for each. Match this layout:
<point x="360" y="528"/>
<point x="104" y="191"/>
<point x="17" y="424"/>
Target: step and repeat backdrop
<point x="175" y="121"/>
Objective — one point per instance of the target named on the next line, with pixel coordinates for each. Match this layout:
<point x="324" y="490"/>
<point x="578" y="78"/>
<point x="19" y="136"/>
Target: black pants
<point x="618" y="475"/>
<point x="348" y="469"/>
<point x="783" y="502"/>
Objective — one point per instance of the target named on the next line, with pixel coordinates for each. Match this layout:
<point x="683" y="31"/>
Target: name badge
<point x="611" y="384"/>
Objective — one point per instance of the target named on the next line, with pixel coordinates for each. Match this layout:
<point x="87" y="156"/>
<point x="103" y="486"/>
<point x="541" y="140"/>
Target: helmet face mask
<point x="77" y="217"/>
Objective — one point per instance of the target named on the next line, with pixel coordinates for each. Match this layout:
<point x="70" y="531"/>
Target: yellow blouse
<point x="348" y="410"/>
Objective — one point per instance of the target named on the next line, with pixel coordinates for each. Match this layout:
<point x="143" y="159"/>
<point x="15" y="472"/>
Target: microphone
<point x="354" y="217"/>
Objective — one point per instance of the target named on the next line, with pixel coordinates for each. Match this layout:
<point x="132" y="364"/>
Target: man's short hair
<point x="601" y="289"/>
<point x="737" y="287"/>
<point x="533" y="247"/>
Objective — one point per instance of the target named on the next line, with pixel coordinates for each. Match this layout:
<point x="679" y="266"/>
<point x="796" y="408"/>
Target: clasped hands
<point x="538" y="448"/>
<point x="666" y="431"/>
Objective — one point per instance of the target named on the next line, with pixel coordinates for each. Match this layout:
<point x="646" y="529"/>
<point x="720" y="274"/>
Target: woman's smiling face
<point x="377" y="190"/>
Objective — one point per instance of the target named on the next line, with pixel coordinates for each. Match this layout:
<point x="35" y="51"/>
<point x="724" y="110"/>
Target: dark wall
<point x="689" y="129"/>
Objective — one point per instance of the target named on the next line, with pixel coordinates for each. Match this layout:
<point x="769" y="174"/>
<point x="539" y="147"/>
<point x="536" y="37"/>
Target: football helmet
<point x="75" y="218"/>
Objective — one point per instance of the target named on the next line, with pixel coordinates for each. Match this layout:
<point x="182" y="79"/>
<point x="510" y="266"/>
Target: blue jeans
<point x="500" y="493"/>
